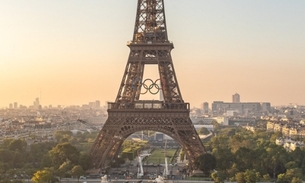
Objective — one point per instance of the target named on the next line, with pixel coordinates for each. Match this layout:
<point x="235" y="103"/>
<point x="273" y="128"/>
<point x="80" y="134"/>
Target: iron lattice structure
<point x="129" y="114"/>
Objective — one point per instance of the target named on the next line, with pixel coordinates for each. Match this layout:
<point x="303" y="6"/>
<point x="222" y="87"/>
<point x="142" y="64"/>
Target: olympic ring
<point x="148" y="87"/>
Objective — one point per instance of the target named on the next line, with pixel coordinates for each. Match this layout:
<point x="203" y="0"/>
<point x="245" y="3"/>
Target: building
<point x="236" y="98"/>
<point x="205" y="108"/>
<point x="92" y="104"/>
<point x="36" y="103"/>
<point x="266" y="106"/>
<point x="220" y="107"/>
<point x="241" y="107"/>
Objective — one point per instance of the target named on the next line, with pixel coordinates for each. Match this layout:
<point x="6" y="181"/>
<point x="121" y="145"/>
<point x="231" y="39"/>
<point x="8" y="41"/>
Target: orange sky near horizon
<point x="74" y="52"/>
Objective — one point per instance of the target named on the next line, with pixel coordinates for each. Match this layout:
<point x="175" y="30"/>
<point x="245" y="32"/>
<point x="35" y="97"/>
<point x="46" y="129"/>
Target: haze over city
<point x="72" y="52"/>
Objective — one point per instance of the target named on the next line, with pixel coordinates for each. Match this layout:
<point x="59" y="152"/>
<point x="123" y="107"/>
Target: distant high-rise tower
<point x="15" y="105"/>
<point x="36" y="103"/>
<point x="205" y="108"/>
<point x="236" y="98"/>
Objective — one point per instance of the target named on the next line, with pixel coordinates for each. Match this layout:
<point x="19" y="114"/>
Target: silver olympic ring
<point x="151" y="85"/>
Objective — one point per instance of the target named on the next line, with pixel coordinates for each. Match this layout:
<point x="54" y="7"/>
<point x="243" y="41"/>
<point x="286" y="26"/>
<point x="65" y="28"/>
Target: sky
<point x="74" y="51"/>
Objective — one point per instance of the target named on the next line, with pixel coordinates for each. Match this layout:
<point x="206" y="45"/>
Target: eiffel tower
<point x="128" y="114"/>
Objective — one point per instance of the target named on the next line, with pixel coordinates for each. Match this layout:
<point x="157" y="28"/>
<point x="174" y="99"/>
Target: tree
<point x="63" y="136"/>
<point x="63" y="169"/>
<point x="205" y="162"/>
<point x="224" y="158"/>
<point x="240" y="140"/>
<point x="42" y="176"/>
<point x="276" y="157"/>
<point x="216" y="125"/>
<point x="77" y="171"/>
<point x="203" y="131"/>
<point x="232" y="171"/>
<point x="275" y="135"/>
<point x="281" y="178"/>
<point x="5" y="143"/>
<point x="18" y="144"/>
<point x="293" y="173"/>
<point x="251" y="176"/>
<point x="296" y="180"/>
<point x="220" y="142"/>
<point x="290" y="165"/>
<point x="240" y="178"/>
<point x="19" y="159"/>
<point x="298" y="156"/>
<point x="7" y="158"/>
<point x="85" y="161"/>
<point x="63" y="152"/>
<point x="266" y="177"/>
<point x="244" y="158"/>
<point x="37" y="153"/>
<point x="219" y="177"/>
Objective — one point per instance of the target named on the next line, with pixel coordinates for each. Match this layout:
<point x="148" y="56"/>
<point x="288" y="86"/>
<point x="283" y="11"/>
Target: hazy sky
<point x="74" y="51"/>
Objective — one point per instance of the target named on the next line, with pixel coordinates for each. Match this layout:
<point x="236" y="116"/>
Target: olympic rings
<point x="148" y="86"/>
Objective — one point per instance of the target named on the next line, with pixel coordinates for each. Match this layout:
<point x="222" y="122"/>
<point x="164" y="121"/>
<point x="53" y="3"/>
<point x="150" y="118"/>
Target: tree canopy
<point x="63" y="152"/>
<point x="206" y="162"/>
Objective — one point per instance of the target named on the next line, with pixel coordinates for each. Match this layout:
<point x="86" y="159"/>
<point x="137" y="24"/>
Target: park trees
<point x="205" y="162"/>
<point x="291" y="175"/>
<point x="203" y="131"/>
<point x="77" y="171"/>
<point x="238" y="141"/>
<point x="252" y="176"/>
<point x="38" y="151"/>
<point x="6" y="159"/>
<point x="244" y="150"/>
<point x="240" y="177"/>
<point x="17" y="157"/>
<point x="17" y="145"/>
<point x="63" y="136"/>
<point x="63" y="152"/>
<point x="13" y="153"/>
<point x="84" y="161"/>
<point x="220" y="142"/>
<point x="64" y="169"/>
<point x="276" y="159"/>
<point x="42" y="176"/>
<point x="244" y="158"/>
<point x="224" y="157"/>
<point x="219" y="177"/>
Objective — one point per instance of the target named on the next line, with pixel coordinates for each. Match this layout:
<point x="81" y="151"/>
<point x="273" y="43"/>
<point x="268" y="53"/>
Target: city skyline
<point x="72" y="52"/>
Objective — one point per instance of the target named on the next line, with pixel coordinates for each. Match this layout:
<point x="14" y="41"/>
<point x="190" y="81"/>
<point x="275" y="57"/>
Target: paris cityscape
<point x="36" y="124"/>
<point x="231" y="110"/>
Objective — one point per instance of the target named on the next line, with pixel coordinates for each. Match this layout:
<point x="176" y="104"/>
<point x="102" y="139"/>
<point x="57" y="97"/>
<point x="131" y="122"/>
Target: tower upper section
<point x="150" y="25"/>
<point x="150" y="45"/>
